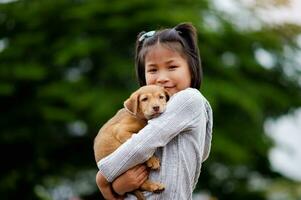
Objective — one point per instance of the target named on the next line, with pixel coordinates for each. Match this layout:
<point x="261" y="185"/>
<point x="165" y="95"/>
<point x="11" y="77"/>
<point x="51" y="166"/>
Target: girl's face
<point x="167" y="68"/>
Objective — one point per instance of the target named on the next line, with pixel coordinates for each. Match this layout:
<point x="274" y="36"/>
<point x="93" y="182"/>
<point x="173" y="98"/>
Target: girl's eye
<point x="152" y="70"/>
<point x="172" y="67"/>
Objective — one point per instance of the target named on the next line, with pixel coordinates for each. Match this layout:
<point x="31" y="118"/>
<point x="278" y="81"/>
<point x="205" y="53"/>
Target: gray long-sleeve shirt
<point x="180" y="138"/>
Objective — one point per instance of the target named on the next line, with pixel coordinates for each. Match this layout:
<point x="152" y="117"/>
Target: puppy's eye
<point x="161" y="97"/>
<point x="144" y="99"/>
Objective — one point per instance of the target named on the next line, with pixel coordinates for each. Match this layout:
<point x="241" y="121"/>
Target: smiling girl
<point x="180" y="137"/>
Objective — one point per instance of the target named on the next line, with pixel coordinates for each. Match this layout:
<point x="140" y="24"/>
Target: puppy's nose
<point x="156" y="108"/>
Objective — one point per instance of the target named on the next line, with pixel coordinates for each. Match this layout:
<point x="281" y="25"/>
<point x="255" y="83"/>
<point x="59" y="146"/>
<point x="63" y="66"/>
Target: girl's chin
<point x="171" y="91"/>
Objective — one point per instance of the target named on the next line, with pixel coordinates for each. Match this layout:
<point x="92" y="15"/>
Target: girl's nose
<point x="162" y="78"/>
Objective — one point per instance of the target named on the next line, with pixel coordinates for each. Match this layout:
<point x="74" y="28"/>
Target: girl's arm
<point x="129" y="181"/>
<point x="105" y="188"/>
<point x="182" y="111"/>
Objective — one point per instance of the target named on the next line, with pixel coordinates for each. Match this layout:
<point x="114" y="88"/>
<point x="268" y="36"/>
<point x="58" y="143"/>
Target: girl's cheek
<point x="150" y="82"/>
<point x="150" y="79"/>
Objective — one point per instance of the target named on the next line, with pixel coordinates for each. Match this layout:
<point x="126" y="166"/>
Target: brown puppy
<point x="144" y="104"/>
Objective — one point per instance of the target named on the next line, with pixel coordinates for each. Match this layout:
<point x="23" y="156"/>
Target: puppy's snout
<point x="156" y="108"/>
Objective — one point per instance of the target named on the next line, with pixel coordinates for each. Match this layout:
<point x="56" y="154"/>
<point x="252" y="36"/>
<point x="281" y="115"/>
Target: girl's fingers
<point x="143" y="180"/>
<point x="142" y="176"/>
<point x="138" y="169"/>
<point x="135" y="168"/>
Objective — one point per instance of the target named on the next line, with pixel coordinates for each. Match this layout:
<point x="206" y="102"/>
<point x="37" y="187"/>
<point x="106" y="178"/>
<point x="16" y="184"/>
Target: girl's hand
<point x="105" y="188"/>
<point x="130" y="180"/>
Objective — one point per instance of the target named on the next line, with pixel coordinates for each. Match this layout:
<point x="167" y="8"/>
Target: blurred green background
<point x="66" y="67"/>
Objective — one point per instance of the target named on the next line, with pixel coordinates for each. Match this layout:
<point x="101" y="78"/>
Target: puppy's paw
<point x="152" y="186"/>
<point x="153" y="163"/>
<point x="157" y="187"/>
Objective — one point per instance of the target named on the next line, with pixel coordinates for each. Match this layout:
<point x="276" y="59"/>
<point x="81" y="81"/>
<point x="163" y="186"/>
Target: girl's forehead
<point x="163" y="56"/>
<point x="161" y="50"/>
<point x="174" y="46"/>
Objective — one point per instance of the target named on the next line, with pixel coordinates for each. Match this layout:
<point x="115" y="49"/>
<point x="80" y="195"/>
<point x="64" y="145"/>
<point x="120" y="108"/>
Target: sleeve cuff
<point x="104" y="171"/>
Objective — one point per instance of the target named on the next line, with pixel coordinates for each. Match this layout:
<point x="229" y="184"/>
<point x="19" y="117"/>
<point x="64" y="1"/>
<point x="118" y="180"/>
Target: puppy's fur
<point x="145" y="103"/>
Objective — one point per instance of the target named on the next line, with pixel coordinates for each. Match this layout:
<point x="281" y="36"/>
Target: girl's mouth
<point x="169" y="87"/>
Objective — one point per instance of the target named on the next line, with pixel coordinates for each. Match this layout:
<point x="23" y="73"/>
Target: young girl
<point x="180" y="137"/>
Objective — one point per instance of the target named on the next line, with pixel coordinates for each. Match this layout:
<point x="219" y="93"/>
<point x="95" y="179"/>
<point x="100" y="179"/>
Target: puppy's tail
<point x="139" y="195"/>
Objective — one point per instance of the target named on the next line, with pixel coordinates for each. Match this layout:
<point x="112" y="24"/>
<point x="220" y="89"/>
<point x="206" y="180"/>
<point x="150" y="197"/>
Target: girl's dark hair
<point x="182" y="38"/>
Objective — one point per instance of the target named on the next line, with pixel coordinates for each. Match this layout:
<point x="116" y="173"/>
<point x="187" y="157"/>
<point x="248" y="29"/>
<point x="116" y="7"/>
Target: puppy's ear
<point x="166" y="95"/>
<point x="132" y="103"/>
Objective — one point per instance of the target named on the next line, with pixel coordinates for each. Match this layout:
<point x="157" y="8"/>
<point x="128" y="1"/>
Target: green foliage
<point x="66" y="67"/>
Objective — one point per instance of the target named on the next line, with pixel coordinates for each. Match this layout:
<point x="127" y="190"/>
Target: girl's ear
<point x="132" y="103"/>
